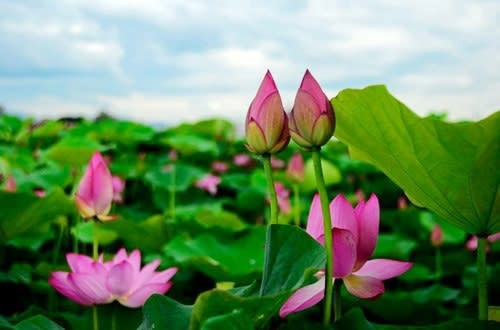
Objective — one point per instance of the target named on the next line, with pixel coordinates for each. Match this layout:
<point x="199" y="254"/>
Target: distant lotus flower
<point x="295" y="169"/>
<point x="10" y="184"/>
<point x="220" y="166"/>
<point x="360" y="195"/>
<point x="92" y="282"/>
<point x="242" y="160"/>
<point x="95" y="192"/>
<point x="173" y="155"/>
<point x="283" y="195"/>
<point x="209" y="183"/>
<point x="118" y="188"/>
<point x="402" y="203"/>
<point x="355" y="233"/>
<point x="312" y="121"/>
<point x="436" y="236"/>
<point x="266" y="125"/>
<point x="39" y="192"/>
<point x="277" y="163"/>
<point x="472" y="242"/>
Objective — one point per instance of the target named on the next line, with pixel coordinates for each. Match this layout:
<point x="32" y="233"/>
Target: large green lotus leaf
<point x="147" y="235"/>
<point x="112" y="130"/>
<point x="190" y="144"/>
<point x="236" y="320"/>
<point x="24" y="213"/>
<point x="223" y="259"/>
<point x="48" y="129"/>
<point x="211" y="129"/>
<point x="184" y="174"/>
<point x="74" y="151"/>
<point x="161" y="312"/>
<point x="37" y="322"/>
<point x="450" y="168"/>
<point x="331" y="175"/>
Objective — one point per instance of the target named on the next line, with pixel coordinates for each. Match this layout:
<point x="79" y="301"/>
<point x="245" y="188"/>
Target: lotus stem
<point x="439" y="264"/>
<point x="325" y="208"/>
<point x="172" y="193"/>
<point x="95" y="317"/>
<point x="296" y="208"/>
<point x="482" y="281"/>
<point x="95" y="242"/>
<point x="266" y="160"/>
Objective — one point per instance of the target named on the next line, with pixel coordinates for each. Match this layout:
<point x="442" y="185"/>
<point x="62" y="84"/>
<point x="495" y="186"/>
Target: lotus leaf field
<point x="111" y="224"/>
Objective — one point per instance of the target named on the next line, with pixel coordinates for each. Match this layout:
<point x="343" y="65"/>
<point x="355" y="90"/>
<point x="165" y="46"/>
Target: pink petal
<point x="80" y="263"/>
<point x="120" y="278"/>
<point x="86" y="209"/>
<point x="60" y="282"/>
<point x="383" y="269"/>
<point x="266" y="88"/>
<point x="102" y="189"/>
<point x="135" y="260"/>
<point x="364" y="287"/>
<point x="343" y="216"/>
<point x="120" y="256"/>
<point x="304" y="298"/>
<point x="344" y="249"/>
<point x="312" y="87"/>
<point x="367" y="217"/>
<point x="139" y="297"/>
<point x="91" y="287"/>
<point x="315" y="219"/>
<point x="146" y="274"/>
<point x="494" y="237"/>
<point x="164" y="276"/>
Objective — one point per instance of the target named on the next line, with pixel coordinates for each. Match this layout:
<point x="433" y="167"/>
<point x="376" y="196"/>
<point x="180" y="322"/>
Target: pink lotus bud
<point x="266" y="125"/>
<point x="118" y="188"/>
<point x="95" y="192"/>
<point x="312" y="120"/>
<point x="283" y="196"/>
<point x="220" y="166"/>
<point x="402" y="203"/>
<point x="471" y="244"/>
<point x="173" y="155"/>
<point x="10" y="184"/>
<point x="39" y="192"/>
<point x="295" y="169"/>
<point x="437" y="236"/>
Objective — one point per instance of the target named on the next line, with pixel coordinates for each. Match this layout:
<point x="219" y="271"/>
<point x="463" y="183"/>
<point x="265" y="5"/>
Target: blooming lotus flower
<point x="355" y="233"/>
<point x="471" y="244"/>
<point x="95" y="192"/>
<point x="266" y="125"/>
<point x="436" y="236"/>
<point x="295" y="169"/>
<point x="283" y="196"/>
<point x="312" y="121"/>
<point x="209" y="183"/>
<point x="118" y="188"/>
<point x="92" y="282"/>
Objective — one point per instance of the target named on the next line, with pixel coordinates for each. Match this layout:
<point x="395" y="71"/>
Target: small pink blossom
<point x="118" y="188"/>
<point x="471" y="244"/>
<point x="92" y="282"/>
<point x="295" y="170"/>
<point x="242" y="160"/>
<point x="95" y="191"/>
<point x="355" y="233"/>
<point x="10" y="184"/>
<point x="277" y="163"/>
<point x="402" y="203"/>
<point x="283" y="196"/>
<point x="209" y="183"/>
<point x="437" y="236"/>
<point x="39" y="192"/>
<point x="220" y="166"/>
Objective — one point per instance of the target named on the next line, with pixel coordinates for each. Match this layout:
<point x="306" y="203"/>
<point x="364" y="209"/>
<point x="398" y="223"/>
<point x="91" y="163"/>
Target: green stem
<point x="55" y="255"/>
<point x="75" y="239"/>
<point x="95" y="242"/>
<point x="95" y="317"/>
<point x="439" y="264"/>
<point x="296" y="200"/>
<point x="337" y="308"/>
<point x="482" y="283"/>
<point x="172" y="193"/>
<point x="113" y="318"/>
<point x="327" y="225"/>
<point x="266" y="160"/>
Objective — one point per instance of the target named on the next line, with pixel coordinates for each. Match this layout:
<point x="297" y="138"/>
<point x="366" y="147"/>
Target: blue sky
<point x="173" y="61"/>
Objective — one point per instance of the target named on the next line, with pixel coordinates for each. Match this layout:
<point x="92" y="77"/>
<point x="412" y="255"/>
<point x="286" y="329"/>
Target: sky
<point x="172" y="61"/>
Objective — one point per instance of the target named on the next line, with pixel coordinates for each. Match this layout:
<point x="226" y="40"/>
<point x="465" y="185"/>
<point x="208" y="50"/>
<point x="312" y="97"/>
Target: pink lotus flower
<point x="266" y="126"/>
<point x="436" y="236"/>
<point x="10" y="184"/>
<point x="471" y="244"/>
<point x="242" y="160"/>
<point x="95" y="192"/>
<point x="209" y="183"/>
<point x="312" y="121"/>
<point x="295" y="169"/>
<point x="283" y="195"/>
<point x="92" y="282"/>
<point x="219" y="166"/>
<point x="118" y="188"/>
<point x="355" y="233"/>
<point x="39" y="192"/>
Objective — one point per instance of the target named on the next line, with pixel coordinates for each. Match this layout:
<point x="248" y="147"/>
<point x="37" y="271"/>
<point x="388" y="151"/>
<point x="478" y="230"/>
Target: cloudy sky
<point x="176" y="60"/>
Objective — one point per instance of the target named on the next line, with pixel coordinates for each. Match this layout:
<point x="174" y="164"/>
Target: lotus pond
<point x="189" y="236"/>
